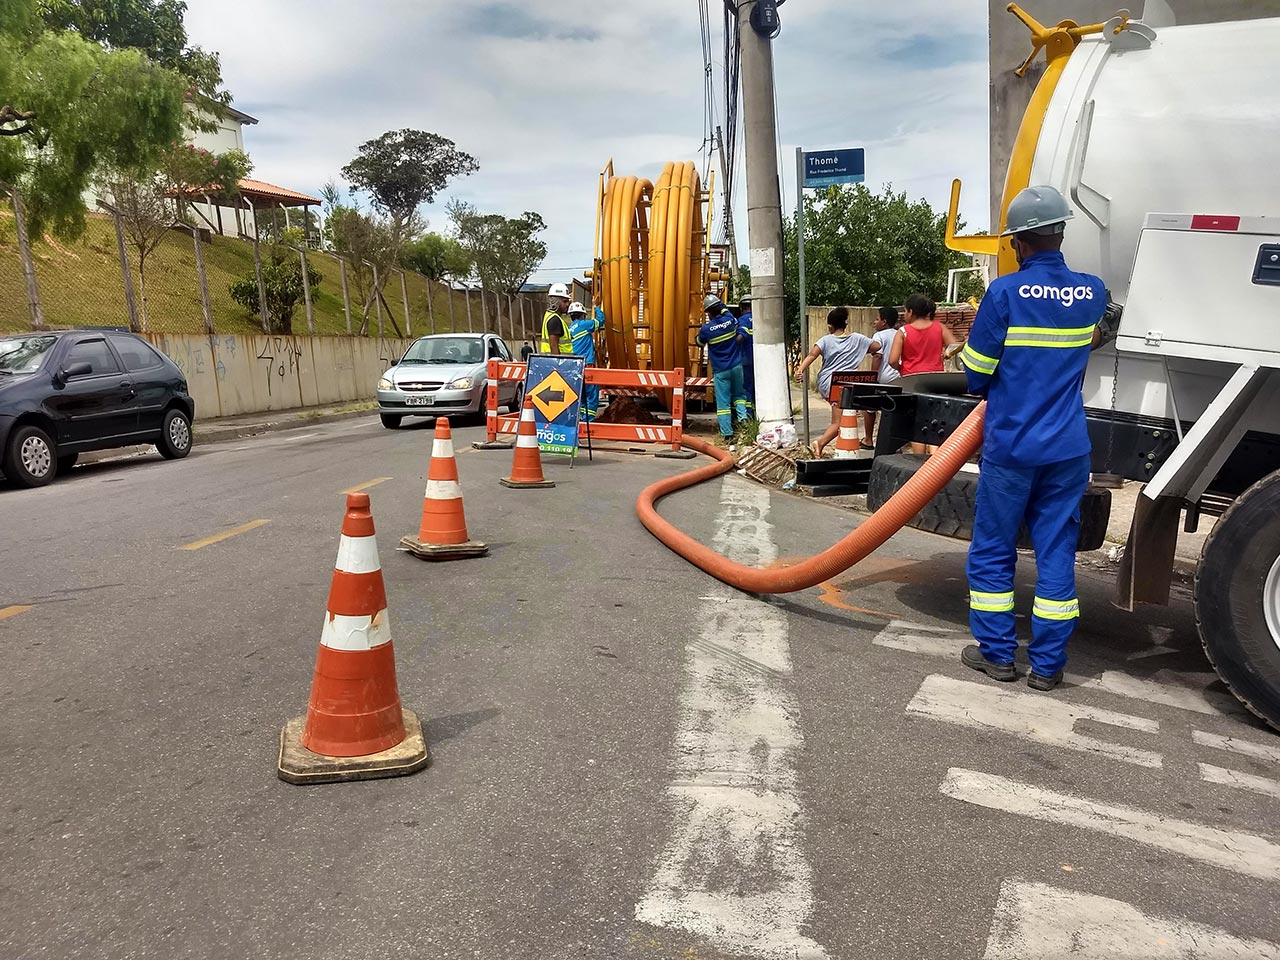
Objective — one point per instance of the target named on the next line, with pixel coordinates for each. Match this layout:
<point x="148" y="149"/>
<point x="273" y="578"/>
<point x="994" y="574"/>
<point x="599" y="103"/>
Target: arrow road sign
<point x="553" y="396"/>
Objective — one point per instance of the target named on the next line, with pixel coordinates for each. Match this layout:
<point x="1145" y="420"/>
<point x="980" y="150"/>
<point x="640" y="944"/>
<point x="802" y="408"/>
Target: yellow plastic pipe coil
<point x="653" y="269"/>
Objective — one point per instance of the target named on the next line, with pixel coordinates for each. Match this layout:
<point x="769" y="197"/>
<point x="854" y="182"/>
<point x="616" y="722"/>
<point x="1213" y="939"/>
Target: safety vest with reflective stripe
<point x="720" y="334"/>
<point x="583" y="335"/>
<point x="1027" y="353"/>
<point x="746" y="326"/>
<point x="566" y="342"/>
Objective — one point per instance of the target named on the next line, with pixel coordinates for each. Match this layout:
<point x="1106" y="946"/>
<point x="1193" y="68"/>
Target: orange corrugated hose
<point x="874" y="531"/>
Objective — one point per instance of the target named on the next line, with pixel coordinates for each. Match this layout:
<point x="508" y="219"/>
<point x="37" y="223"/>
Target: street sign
<point x="824" y="168"/>
<point x="554" y="384"/>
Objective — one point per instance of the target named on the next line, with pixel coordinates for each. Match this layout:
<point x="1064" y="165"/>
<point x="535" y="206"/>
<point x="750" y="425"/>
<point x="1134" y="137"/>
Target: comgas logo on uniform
<point x="1066" y="295"/>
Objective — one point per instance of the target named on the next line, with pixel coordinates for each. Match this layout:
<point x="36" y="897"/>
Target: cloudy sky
<point x="543" y="97"/>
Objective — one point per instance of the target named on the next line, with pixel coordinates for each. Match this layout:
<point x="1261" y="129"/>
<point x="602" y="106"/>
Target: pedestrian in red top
<point x="919" y="345"/>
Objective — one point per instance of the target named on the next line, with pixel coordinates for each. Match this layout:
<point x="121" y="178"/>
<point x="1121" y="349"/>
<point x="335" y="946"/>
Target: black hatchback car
<point x="63" y="393"/>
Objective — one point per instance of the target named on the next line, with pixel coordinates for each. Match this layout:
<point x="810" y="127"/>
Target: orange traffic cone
<point x="847" y="443"/>
<point x="355" y="727"/>
<point x="443" y="534"/>
<point x="526" y="468"/>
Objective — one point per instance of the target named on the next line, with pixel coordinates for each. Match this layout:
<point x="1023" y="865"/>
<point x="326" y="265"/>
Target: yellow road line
<point x="226" y="534"/>
<point x="366" y="485"/>
<point x="7" y="612"/>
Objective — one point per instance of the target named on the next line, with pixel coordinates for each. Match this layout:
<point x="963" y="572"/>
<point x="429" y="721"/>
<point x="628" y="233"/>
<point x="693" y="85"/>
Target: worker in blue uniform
<point x="722" y="338"/>
<point x="582" y="331"/>
<point x="1026" y="354"/>
<point x="748" y="331"/>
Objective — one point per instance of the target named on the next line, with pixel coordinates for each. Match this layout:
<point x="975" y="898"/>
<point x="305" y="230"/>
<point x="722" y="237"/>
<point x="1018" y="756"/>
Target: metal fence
<point x="185" y="285"/>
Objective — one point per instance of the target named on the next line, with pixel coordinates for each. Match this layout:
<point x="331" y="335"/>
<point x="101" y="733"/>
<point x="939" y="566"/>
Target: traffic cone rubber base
<point x="300" y="765"/>
<point x="681" y="454"/>
<point x="491" y="445"/>
<point x="525" y="484"/>
<point x="443" y="551"/>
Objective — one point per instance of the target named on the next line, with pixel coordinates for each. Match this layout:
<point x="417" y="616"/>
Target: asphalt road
<point x="629" y="759"/>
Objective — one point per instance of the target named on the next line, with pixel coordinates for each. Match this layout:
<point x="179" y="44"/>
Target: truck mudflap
<point x="950" y="513"/>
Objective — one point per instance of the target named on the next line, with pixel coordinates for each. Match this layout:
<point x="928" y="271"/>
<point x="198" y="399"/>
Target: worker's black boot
<point x="971" y="656"/>
<point x="1038" y="681"/>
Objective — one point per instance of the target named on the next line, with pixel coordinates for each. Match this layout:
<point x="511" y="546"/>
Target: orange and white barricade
<point x="640" y="381"/>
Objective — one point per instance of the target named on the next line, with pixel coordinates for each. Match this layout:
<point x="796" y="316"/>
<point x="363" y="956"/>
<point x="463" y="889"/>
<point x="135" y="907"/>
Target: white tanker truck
<point x="1166" y="140"/>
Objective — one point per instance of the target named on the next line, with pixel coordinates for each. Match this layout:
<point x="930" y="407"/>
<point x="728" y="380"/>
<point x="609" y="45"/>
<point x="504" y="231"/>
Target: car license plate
<point x="417" y="401"/>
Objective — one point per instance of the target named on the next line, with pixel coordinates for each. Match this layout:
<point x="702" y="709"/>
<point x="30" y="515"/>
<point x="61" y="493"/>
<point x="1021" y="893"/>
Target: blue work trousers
<point x="1047" y="498"/>
<point x="731" y="401"/>
<point x="590" y="401"/>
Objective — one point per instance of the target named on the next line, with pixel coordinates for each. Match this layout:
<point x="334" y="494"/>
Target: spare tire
<point x="950" y="512"/>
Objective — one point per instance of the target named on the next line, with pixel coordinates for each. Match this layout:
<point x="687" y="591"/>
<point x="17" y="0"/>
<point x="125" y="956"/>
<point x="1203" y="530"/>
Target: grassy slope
<point x="81" y="285"/>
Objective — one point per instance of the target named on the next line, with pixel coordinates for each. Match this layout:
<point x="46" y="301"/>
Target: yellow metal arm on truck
<point x="1060" y="40"/>
<point x="978" y="243"/>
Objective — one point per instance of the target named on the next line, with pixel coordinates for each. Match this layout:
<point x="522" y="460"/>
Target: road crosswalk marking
<point x="1173" y="694"/>
<point x="734" y="868"/>
<point x="1244" y="781"/>
<point x="947" y="642"/>
<point x="1231" y="850"/>
<point x="1246" y="748"/>
<point x="1029" y="715"/>
<point x="1035" y="921"/>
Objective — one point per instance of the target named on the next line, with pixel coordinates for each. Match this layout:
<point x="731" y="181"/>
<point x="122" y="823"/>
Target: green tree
<point x="70" y="108"/>
<point x="504" y="251"/>
<point x="436" y="256"/>
<point x="282" y="278"/>
<point x="146" y="215"/>
<point x="155" y="27"/>
<point x="188" y="172"/>
<point x="402" y="170"/>
<point x="867" y="249"/>
<point x="364" y="240"/>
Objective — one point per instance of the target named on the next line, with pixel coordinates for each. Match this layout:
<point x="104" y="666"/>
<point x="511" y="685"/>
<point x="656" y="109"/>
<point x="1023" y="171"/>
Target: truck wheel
<point x="1237" y="598"/>
<point x="950" y="512"/>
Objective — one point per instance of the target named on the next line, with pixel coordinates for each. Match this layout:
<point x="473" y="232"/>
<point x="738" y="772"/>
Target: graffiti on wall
<point x="281" y="357"/>
<point x="227" y="372"/>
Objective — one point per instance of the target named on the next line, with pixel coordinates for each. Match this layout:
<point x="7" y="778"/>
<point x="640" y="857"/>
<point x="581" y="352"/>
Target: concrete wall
<point x="1010" y="42"/>
<point x="229" y="375"/>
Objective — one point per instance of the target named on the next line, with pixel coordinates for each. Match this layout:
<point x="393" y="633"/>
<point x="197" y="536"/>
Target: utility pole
<point x="764" y="221"/>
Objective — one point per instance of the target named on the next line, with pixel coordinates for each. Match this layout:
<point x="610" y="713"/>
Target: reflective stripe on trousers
<point x="1047" y="499"/>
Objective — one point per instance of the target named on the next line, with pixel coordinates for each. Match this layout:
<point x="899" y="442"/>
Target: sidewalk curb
<point x="216" y="432"/>
<point x="219" y="432"/>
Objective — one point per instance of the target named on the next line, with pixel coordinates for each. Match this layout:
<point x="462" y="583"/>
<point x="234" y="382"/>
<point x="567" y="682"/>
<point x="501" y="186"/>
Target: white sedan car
<point x="444" y="374"/>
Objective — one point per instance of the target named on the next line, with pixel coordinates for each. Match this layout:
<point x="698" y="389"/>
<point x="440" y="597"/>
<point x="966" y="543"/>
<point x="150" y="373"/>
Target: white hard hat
<point x="710" y="302"/>
<point x="577" y="307"/>
<point x="558" y="290"/>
